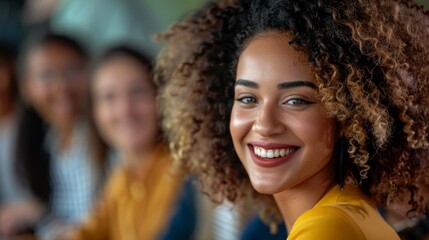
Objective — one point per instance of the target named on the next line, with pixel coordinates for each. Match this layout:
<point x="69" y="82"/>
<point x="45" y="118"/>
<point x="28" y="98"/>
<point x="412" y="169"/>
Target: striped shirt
<point x="75" y="180"/>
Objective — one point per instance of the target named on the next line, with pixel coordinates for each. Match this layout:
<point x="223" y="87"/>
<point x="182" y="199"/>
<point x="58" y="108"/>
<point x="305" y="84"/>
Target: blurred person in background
<point x="52" y="154"/>
<point x="146" y="198"/>
<point x="12" y="193"/>
<point x="8" y="102"/>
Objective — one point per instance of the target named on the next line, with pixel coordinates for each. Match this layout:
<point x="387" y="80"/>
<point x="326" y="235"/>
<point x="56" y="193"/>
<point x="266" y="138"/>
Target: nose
<point x="267" y="123"/>
<point x="61" y="83"/>
<point x="121" y="106"/>
<point x="60" y="88"/>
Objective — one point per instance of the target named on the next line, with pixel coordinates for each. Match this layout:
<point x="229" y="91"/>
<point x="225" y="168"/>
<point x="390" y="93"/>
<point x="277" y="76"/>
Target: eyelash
<point x="242" y="100"/>
<point x="245" y="100"/>
<point x="303" y="101"/>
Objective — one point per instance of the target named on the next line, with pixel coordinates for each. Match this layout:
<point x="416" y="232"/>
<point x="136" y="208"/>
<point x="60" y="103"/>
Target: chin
<point x="131" y="145"/>
<point x="266" y="187"/>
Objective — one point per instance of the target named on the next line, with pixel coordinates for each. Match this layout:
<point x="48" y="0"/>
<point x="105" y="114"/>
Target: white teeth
<point x="263" y="153"/>
<point x="272" y="153"/>
<point x="276" y="153"/>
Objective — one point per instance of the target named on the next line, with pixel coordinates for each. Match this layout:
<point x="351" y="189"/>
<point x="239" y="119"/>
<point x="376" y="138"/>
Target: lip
<point x="268" y="145"/>
<point x="270" y="162"/>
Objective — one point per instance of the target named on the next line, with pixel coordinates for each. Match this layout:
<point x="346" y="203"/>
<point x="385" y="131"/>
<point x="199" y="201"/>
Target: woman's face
<point x="278" y="127"/>
<point x="54" y="83"/>
<point x="124" y="104"/>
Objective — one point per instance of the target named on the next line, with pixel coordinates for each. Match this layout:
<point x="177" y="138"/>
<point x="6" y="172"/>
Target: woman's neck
<point x="297" y="200"/>
<point x="64" y="135"/>
<point x="137" y="160"/>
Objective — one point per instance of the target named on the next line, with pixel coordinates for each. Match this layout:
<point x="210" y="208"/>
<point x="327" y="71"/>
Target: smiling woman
<point x="144" y="198"/>
<point x="52" y="154"/>
<point x="274" y="115"/>
<point x="313" y="104"/>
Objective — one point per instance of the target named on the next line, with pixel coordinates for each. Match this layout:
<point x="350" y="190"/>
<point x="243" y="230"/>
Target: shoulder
<point x="326" y="222"/>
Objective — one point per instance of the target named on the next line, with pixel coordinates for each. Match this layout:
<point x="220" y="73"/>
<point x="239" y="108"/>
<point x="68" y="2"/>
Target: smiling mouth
<point x="272" y="153"/>
<point x="269" y="155"/>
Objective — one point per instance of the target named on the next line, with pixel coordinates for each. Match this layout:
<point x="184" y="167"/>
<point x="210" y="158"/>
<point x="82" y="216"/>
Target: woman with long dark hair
<point x="146" y="197"/>
<point x="52" y="153"/>
<point x="13" y="194"/>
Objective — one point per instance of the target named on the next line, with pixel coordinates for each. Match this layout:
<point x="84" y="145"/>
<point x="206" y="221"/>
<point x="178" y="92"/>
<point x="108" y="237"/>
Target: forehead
<point x="121" y="60"/>
<point x="122" y="71"/>
<point x="54" y="54"/>
<point x="271" y="57"/>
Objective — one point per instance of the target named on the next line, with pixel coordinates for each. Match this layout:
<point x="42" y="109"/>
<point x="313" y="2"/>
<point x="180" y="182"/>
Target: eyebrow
<point x="296" y="84"/>
<point x="246" y="83"/>
<point x="284" y="85"/>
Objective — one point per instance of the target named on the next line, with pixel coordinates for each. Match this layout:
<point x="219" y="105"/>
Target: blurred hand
<point x="18" y="216"/>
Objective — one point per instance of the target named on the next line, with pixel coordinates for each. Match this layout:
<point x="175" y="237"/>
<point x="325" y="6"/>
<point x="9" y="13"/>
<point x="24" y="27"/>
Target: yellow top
<point x="134" y="208"/>
<point x="342" y="215"/>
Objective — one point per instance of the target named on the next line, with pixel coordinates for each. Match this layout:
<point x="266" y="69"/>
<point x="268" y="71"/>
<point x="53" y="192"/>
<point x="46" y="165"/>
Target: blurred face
<point x="54" y="83"/>
<point x="124" y="104"/>
<point x="277" y="124"/>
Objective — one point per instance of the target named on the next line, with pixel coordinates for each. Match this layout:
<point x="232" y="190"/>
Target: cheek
<point x="240" y="125"/>
<point x="39" y="96"/>
<point x="147" y="117"/>
<point x="327" y="134"/>
<point x="104" y="120"/>
<point x="146" y="109"/>
<point x="319" y="135"/>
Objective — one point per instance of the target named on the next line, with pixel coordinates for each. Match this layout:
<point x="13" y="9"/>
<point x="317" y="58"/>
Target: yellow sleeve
<point x="326" y="223"/>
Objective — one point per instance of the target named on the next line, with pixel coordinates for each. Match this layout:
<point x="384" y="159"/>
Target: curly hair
<point x="369" y="59"/>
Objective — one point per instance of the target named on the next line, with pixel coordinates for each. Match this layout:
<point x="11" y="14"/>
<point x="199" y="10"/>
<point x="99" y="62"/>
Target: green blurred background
<point x="176" y="9"/>
<point x="98" y="23"/>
